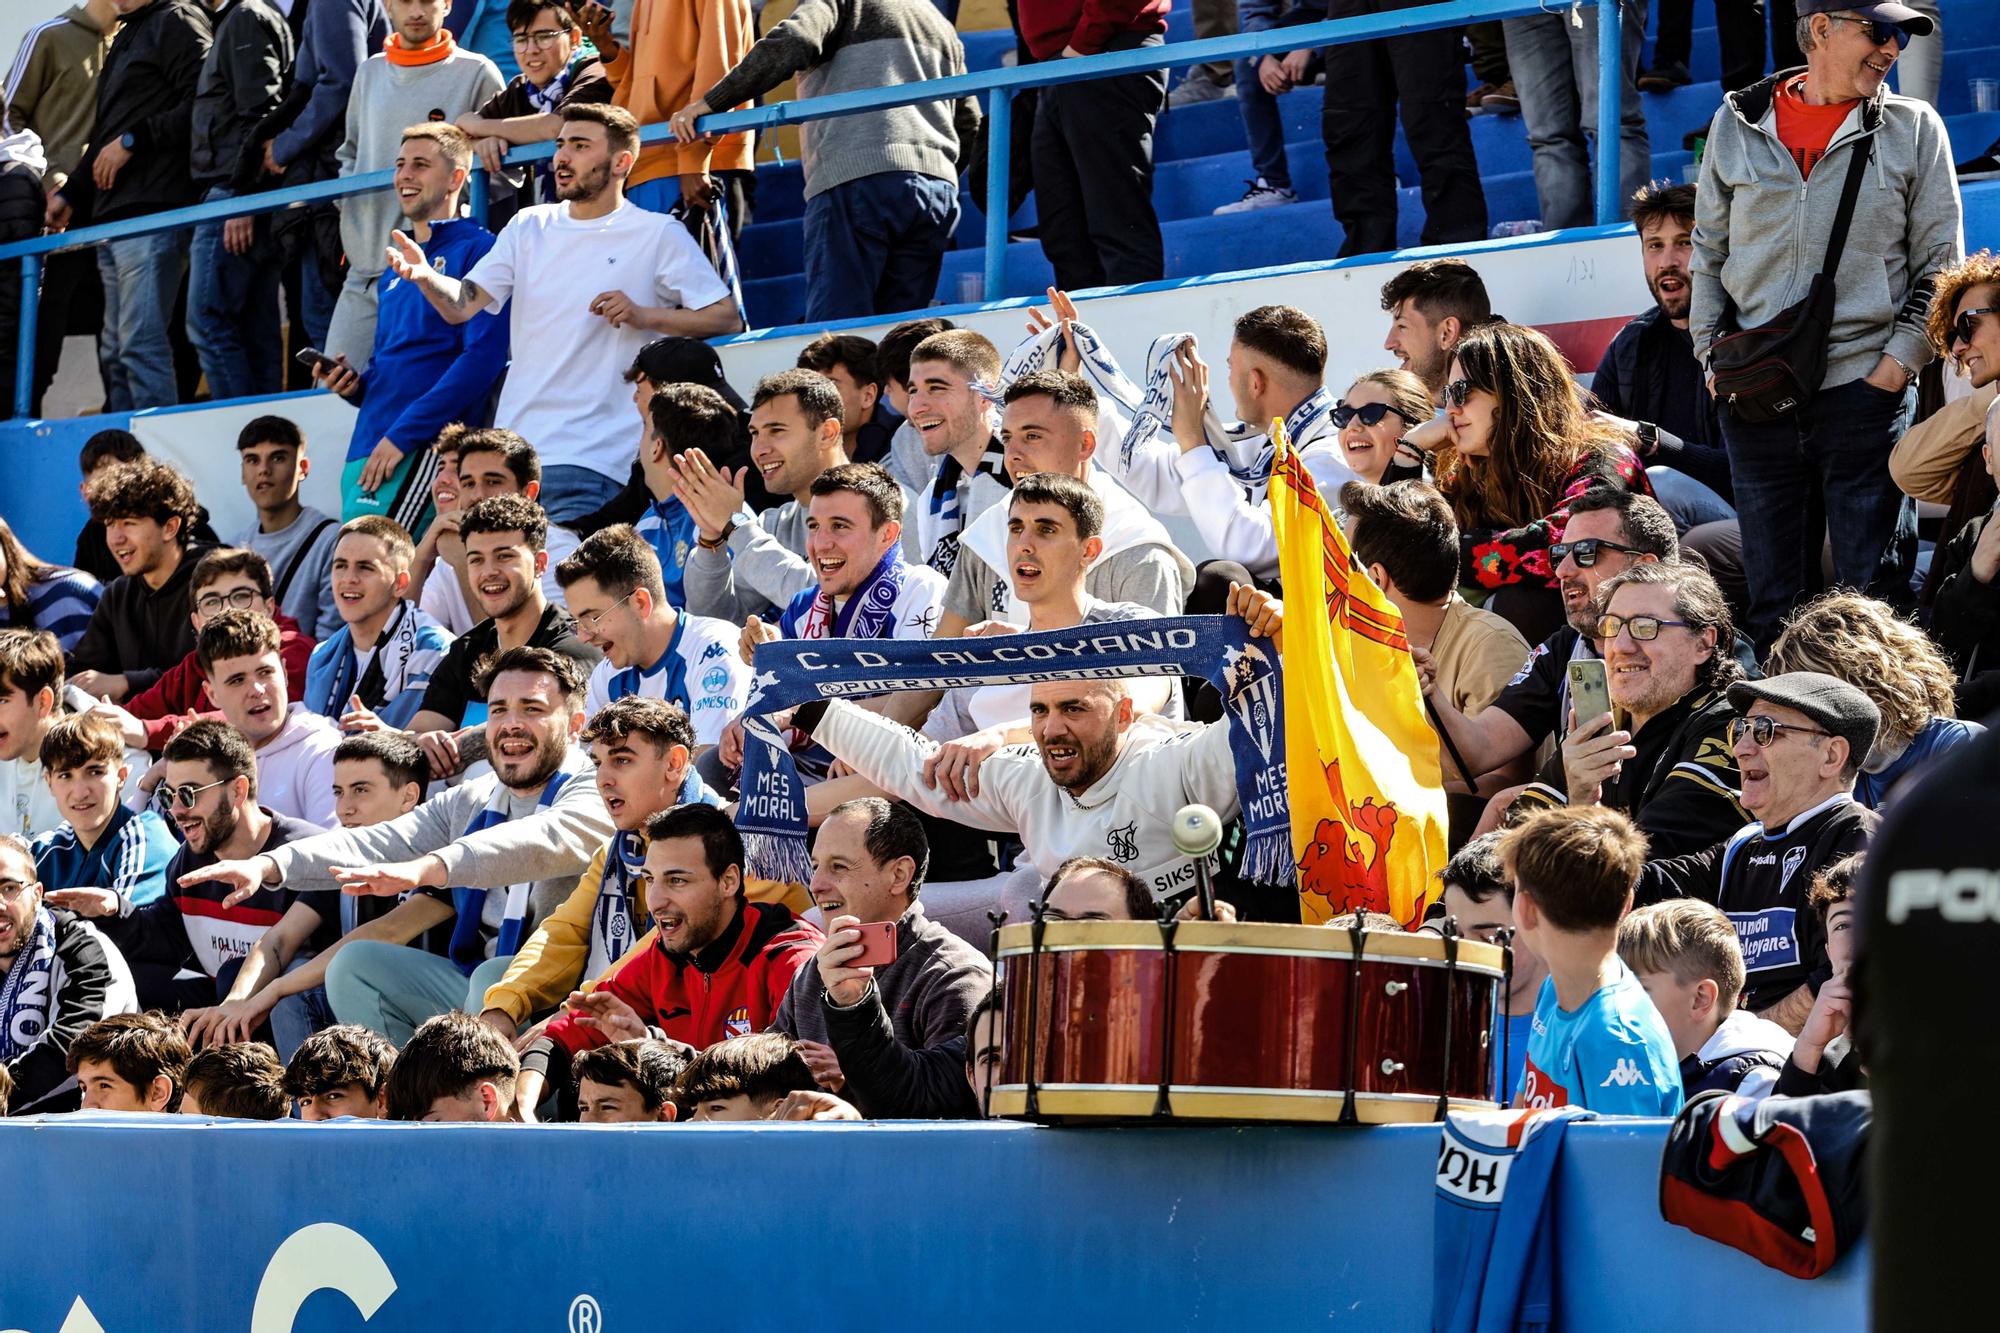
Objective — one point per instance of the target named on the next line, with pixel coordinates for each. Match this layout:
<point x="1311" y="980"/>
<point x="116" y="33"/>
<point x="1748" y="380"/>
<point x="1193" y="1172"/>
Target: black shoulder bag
<point x="1771" y="372"/>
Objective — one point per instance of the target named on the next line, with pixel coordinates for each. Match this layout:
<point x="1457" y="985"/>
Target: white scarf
<point x="29" y="991"/>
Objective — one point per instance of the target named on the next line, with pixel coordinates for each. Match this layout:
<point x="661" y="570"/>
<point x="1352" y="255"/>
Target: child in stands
<point x="744" y="1078"/>
<point x="629" y="1082"/>
<point x="454" y="1068"/>
<point x="241" y="1081"/>
<point x="341" y="1071"/>
<point x="101" y="843"/>
<point x="1596" y="1041"/>
<point x="131" y="1062"/>
<point x="1686" y="955"/>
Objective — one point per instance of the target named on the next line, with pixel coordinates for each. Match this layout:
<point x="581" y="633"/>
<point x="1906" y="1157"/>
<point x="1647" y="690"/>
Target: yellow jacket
<point x="679" y="50"/>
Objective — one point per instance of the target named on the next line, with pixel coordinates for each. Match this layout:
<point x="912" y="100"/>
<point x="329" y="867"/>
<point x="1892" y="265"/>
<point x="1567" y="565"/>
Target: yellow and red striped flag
<point x="1366" y="790"/>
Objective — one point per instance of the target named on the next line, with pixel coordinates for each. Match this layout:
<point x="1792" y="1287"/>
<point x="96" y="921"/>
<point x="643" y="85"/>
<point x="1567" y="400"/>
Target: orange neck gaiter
<point x="438" y="48"/>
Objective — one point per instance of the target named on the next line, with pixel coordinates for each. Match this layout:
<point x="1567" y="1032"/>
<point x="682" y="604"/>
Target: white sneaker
<point x="1198" y="87"/>
<point x="1261" y="194"/>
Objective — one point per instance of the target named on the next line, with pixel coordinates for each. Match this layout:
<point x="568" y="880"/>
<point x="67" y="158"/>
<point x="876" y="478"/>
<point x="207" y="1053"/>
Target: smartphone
<point x="1589" y="690"/>
<point x="878" y="944"/>
<point x="315" y="360"/>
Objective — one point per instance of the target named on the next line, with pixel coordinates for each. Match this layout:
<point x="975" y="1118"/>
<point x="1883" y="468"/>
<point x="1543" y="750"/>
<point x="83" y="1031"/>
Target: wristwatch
<point x="1909" y="376"/>
<point x="1649" y="439"/>
<point x="721" y="540"/>
<point x="128" y="141"/>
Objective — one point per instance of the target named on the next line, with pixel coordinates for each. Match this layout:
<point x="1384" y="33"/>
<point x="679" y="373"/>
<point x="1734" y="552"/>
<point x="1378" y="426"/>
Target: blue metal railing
<point x="997" y="84"/>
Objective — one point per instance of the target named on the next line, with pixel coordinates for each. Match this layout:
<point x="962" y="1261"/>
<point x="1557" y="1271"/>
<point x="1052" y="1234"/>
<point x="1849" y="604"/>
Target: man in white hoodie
<point x="294" y="745"/>
<point x="1686" y="955"/>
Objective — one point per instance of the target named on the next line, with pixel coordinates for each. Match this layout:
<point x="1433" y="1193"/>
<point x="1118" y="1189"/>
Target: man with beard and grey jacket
<point x="488" y="858"/>
<point x="1771" y="181"/>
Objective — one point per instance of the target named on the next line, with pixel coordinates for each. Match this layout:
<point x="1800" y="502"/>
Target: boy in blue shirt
<point x="1596" y="1040"/>
<point x="101" y="843"/>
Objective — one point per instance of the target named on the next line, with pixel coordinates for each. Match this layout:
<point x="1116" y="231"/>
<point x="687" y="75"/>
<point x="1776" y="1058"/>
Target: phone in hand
<point x="1589" y="690"/>
<point x="878" y="944"/>
<point x="316" y="361"/>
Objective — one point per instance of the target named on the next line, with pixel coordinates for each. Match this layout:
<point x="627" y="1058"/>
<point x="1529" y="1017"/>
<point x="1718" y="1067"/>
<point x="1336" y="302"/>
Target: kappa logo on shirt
<point x="712" y="651"/>
<point x="1624" y="1074"/>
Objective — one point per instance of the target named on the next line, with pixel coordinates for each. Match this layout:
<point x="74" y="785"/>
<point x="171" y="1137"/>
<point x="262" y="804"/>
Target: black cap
<point x="1887" y="11"/>
<point x="683" y="361"/>
<point x="1827" y="700"/>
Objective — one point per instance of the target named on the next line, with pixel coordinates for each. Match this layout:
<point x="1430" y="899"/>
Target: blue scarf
<point x="26" y="997"/>
<point x="669" y="529"/>
<point x="328" y="694"/>
<point x="620" y="915"/>
<point x="471" y="903"/>
<point x="633" y="679"/>
<point x="870" y="612"/>
<point x="1245" y="671"/>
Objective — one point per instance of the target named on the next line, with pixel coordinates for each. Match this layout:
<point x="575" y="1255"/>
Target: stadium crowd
<point x="429" y="810"/>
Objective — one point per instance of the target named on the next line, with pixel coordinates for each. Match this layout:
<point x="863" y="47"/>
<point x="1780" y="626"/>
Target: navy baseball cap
<point x="1909" y="20"/>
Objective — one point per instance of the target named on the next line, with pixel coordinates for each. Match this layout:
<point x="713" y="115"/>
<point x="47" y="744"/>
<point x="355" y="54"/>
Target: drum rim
<point x="1254" y="937"/>
<point x="1137" y="1101"/>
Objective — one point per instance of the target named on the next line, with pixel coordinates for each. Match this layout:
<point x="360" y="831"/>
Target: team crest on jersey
<point x="680" y="553"/>
<point x="1794" y="858"/>
<point x="1124" y="842"/>
<point x="715" y="680"/>
<point x="738" y="1022"/>
<point x="1528" y="667"/>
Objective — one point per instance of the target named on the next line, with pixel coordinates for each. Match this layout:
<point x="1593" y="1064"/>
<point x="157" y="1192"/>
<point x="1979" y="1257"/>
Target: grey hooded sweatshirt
<point x="1761" y="232"/>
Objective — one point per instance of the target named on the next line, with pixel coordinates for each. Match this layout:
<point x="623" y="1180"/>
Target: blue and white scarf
<point x="870" y="612"/>
<point x="329" y="692"/>
<point x="466" y="950"/>
<point x="28" y="994"/>
<point x="633" y="679"/>
<point x="620" y="915"/>
<point x="947" y="504"/>
<point x="1245" y="671"/>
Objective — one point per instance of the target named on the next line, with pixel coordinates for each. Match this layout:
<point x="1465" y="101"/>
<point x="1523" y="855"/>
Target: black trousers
<point x="1094" y="177"/>
<point x="1365" y="81"/>
<point x="1739" y="30"/>
<point x="21" y="203"/>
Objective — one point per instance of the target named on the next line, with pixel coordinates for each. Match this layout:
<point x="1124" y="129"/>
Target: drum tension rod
<point x="1169" y="923"/>
<point x="1358" y="937"/>
<point x="999" y="1019"/>
<point x="1451" y="995"/>
<point x="1033" y="1106"/>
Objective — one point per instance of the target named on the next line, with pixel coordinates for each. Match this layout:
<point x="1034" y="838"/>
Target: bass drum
<point x="1223" y="1021"/>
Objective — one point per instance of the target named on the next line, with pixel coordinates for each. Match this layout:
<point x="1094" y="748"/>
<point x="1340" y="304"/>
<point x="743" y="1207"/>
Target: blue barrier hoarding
<point x="125" y="1224"/>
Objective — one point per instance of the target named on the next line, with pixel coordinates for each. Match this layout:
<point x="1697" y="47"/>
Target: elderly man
<point x="1800" y="739"/>
<point x="1772" y="177"/>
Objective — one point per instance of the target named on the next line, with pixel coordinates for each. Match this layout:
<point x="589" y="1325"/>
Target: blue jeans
<point x="1554" y="64"/>
<point x="1691" y="503"/>
<point x="142" y="276"/>
<point x="874" y="246"/>
<point x="393" y="988"/>
<point x="1262" y="124"/>
<point x="569" y="491"/>
<point x="233" y="313"/>
<point x="316" y="299"/>
<point x="1830" y="460"/>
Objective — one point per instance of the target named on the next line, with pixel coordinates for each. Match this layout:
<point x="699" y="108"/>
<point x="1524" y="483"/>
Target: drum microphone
<point x="1197" y="832"/>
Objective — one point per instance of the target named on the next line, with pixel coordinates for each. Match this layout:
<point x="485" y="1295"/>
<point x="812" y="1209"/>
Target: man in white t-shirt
<point x="620" y="602"/>
<point x="499" y="462"/>
<point x="570" y="346"/>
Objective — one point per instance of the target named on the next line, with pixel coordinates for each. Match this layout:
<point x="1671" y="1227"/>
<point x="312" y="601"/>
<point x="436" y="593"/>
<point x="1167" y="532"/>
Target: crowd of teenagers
<point x="431" y="809"/>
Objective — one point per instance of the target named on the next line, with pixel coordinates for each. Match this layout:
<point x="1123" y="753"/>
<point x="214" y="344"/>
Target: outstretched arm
<point x="455" y="299"/>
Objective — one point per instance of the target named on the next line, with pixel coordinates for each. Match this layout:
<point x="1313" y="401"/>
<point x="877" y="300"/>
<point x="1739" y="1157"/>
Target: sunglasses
<point x="1371" y="414"/>
<point x="1878" y="32"/>
<point x="184" y="796"/>
<point x="1764" y="730"/>
<point x="1584" y="550"/>
<point x="1456" y="392"/>
<point x="1967" y="321"/>
<point x="1643" y="628"/>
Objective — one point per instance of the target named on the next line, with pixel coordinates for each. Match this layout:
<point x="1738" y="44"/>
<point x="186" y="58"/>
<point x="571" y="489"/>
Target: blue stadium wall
<point x="158" y="1223"/>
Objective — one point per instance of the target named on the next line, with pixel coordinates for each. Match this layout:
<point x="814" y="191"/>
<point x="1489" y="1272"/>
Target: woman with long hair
<point x="1520" y="446"/>
<point x="35" y="594"/>
<point x="1379" y="408"/>
<point x="1864" y="642"/>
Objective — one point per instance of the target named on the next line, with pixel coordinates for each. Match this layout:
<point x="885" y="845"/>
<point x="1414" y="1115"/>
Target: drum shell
<point x="1256" y="1027"/>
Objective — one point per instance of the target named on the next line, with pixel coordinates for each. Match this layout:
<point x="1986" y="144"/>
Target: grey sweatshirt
<point x="386" y="100"/>
<point x="764" y="566"/>
<point x="309" y="542"/>
<point x="551" y="847"/>
<point x="1761" y="232"/>
<point x="929" y="991"/>
<point x="838" y="46"/>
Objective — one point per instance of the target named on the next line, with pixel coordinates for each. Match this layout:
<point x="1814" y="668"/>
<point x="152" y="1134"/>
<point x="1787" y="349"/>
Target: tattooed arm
<point x="456" y="299"/>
